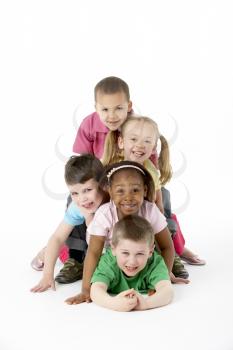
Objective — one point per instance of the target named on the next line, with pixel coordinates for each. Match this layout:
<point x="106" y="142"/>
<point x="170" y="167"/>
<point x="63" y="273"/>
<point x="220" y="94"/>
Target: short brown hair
<point x="112" y="85"/>
<point x="82" y="168"/>
<point x="134" y="228"/>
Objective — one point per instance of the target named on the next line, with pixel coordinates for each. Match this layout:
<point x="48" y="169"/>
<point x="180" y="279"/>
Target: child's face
<point x="127" y="191"/>
<point x="112" y="109"/>
<point x="138" y="141"/>
<point x="132" y="256"/>
<point x="87" y="196"/>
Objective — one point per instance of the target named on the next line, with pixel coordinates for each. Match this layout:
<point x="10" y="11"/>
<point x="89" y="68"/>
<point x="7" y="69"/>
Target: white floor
<point x="200" y="316"/>
<point x="180" y="67"/>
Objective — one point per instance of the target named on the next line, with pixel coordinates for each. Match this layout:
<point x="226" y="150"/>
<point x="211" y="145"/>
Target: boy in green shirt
<point x="131" y="267"/>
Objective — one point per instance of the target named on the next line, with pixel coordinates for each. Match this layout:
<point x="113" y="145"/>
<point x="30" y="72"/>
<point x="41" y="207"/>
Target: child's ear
<point x="120" y="142"/>
<point x="130" y="105"/>
<point x="152" y="248"/>
<point x="113" y="250"/>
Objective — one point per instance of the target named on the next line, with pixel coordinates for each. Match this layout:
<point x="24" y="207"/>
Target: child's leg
<point x="179" y="243"/>
<point x="178" y="239"/>
<point x="73" y="266"/>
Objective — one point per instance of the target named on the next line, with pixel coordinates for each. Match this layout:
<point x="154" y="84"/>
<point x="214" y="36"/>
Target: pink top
<point x="91" y="136"/>
<point x="106" y="217"/>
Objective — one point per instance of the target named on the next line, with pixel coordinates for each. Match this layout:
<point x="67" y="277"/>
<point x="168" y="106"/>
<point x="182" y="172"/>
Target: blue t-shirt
<point x="73" y="216"/>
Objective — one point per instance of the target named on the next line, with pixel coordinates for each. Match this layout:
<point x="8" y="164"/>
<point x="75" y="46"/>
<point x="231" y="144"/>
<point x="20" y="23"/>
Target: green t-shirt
<point x="109" y="273"/>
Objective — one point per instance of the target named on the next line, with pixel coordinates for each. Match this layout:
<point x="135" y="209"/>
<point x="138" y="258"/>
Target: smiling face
<point x="132" y="256"/>
<point x="127" y="191"/>
<point x="138" y="141"/>
<point x="112" y="109"/>
<point x="86" y="196"/>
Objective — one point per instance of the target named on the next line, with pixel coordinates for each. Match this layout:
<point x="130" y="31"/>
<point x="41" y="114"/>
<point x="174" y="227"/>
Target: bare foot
<point x="190" y="258"/>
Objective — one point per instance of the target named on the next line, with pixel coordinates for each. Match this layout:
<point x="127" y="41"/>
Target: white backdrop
<point x="176" y="57"/>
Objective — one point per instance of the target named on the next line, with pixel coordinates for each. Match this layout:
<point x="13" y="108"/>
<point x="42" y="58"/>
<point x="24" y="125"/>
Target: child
<point x="81" y="175"/>
<point x="136" y="141"/>
<point x="131" y="267"/>
<point x="112" y="104"/>
<point x="131" y="190"/>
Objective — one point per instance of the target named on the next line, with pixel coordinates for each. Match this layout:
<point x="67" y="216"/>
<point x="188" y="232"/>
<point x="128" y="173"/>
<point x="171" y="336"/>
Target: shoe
<point x="193" y="260"/>
<point x="37" y="263"/>
<point x="72" y="271"/>
<point x="178" y="268"/>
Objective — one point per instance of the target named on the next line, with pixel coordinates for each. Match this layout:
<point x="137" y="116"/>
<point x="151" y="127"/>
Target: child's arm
<point x="51" y="253"/>
<point x="94" y="252"/>
<point x="163" y="238"/>
<point x="124" y="301"/>
<point x="163" y="296"/>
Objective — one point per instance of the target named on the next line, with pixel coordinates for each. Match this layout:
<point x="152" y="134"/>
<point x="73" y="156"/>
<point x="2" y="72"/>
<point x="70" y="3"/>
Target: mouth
<point x="129" y="207"/>
<point x="129" y="270"/>
<point x="113" y="123"/>
<point x="89" y="205"/>
<point x="138" y="154"/>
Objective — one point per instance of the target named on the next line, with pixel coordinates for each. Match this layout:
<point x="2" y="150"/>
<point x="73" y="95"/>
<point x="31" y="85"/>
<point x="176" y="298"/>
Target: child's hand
<point x="45" y="283"/>
<point x="141" y="302"/>
<point x="79" y="298"/>
<point x="175" y="279"/>
<point x="125" y="301"/>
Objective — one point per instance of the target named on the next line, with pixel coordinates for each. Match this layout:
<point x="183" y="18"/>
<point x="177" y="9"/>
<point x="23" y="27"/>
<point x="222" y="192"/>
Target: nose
<point x="128" y="196"/>
<point x="139" y="144"/>
<point x="131" y="261"/>
<point x="82" y="198"/>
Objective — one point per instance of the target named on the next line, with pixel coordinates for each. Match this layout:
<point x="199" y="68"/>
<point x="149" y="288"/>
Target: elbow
<point x="168" y="296"/>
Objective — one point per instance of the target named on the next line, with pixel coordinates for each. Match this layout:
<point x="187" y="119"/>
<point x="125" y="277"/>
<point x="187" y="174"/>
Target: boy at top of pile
<point x="131" y="267"/>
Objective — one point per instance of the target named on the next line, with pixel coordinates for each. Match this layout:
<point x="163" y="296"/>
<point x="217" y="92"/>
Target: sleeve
<point x="155" y="217"/>
<point x="159" y="271"/>
<point x="105" y="271"/>
<point x="100" y="225"/>
<point x="154" y="173"/>
<point x="73" y="216"/>
<point x="83" y="142"/>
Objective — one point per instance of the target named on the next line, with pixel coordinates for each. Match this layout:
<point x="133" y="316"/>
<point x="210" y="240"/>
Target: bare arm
<point x="94" y="252"/>
<point x="163" y="296"/>
<point x="164" y="241"/>
<point x="124" y="301"/>
<point x="51" y="253"/>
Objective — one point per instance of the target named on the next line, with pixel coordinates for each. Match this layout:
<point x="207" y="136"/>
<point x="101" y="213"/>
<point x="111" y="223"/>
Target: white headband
<point x="113" y="170"/>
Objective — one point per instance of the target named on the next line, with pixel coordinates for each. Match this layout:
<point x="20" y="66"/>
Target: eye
<point x="125" y="253"/>
<point x="119" y="191"/>
<point x="147" y="141"/>
<point x="104" y="109"/>
<point x="119" y="108"/>
<point x="135" y="190"/>
<point x="74" y="194"/>
<point x="133" y="139"/>
<point x="140" y="254"/>
<point x="87" y="190"/>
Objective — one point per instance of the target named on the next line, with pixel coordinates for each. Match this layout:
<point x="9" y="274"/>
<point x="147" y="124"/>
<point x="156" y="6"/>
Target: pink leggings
<point x="178" y="240"/>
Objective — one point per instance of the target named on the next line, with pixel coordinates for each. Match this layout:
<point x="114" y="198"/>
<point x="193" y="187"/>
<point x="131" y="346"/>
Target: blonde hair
<point x="113" y="154"/>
